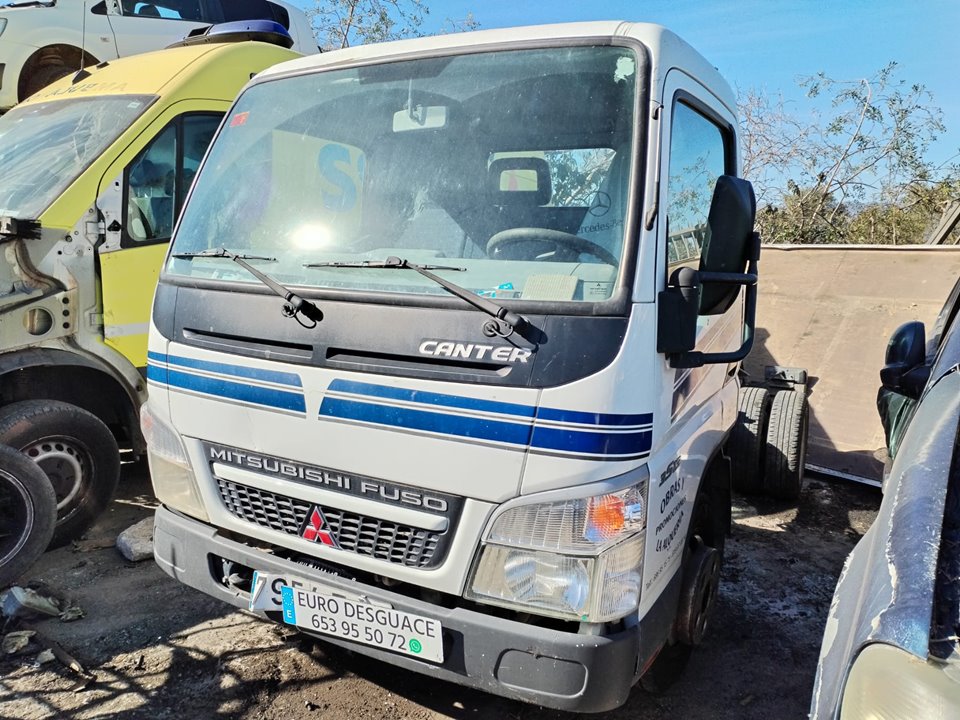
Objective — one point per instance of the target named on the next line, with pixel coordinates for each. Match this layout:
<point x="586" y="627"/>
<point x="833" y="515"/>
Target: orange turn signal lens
<point x="605" y="517"/>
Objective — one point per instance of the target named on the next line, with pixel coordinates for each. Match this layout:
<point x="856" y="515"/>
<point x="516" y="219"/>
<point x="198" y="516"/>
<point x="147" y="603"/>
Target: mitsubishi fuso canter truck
<point x="444" y="355"/>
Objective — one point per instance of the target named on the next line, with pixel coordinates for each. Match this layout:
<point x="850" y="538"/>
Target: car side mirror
<point x="905" y="370"/>
<point x="728" y="261"/>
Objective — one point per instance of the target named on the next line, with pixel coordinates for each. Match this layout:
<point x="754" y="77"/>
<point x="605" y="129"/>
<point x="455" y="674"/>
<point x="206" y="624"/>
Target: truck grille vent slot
<point x="380" y="539"/>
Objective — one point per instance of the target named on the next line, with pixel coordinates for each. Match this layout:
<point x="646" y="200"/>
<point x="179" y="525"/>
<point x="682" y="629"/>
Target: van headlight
<point x="890" y="684"/>
<point x="174" y="482"/>
<point x="577" y="559"/>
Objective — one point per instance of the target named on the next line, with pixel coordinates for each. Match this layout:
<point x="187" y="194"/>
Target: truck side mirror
<point x="731" y="246"/>
<point x="905" y="370"/>
<point x="727" y="246"/>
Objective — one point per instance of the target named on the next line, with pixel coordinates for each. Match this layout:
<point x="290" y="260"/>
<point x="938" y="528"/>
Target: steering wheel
<point x="569" y="241"/>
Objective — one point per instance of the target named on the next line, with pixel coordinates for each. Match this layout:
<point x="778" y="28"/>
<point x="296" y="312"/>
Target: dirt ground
<point x="160" y="650"/>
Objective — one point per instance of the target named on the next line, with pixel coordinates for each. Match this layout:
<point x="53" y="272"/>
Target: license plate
<point x="353" y="619"/>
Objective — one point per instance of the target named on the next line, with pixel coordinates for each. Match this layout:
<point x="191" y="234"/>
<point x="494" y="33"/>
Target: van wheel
<point x="748" y="439"/>
<point x="28" y="513"/>
<point x="786" y="447"/>
<point x="77" y="452"/>
<point x="45" y="75"/>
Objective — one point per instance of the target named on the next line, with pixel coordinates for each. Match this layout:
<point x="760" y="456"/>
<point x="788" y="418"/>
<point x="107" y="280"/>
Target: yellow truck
<point x="93" y="172"/>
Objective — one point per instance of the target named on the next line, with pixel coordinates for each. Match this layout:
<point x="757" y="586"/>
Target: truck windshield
<point x="513" y="165"/>
<point x="45" y="146"/>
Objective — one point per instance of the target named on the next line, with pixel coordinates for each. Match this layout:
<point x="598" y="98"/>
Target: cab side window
<point x="157" y="180"/>
<point x="698" y="155"/>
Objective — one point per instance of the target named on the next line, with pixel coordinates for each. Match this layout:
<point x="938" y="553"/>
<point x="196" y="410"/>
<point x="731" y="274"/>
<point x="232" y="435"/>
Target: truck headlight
<point x="577" y="559"/>
<point x="887" y="683"/>
<point x="174" y="483"/>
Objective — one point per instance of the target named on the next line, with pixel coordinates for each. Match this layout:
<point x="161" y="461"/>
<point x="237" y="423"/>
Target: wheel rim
<point x="708" y="595"/>
<point x="16" y="516"/>
<point x="66" y="464"/>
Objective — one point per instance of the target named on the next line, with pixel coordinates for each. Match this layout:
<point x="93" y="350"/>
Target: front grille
<point x="380" y="539"/>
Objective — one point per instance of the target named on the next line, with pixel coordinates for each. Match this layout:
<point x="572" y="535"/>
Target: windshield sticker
<point x="504" y="290"/>
<point x="626" y="67"/>
<point x="239" y="119"/>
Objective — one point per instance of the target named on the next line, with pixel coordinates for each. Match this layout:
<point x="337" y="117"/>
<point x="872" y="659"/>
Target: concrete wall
<point x="831" y="310"/>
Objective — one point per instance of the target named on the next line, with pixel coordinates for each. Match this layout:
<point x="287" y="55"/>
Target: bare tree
<point x="342" y="23"/>
<point x="816" y="174"/>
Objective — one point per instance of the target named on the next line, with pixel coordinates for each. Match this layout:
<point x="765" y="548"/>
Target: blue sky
<point x="768" y="44"/>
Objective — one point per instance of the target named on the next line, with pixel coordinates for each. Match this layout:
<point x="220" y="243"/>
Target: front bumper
<point x="566" y="671"/>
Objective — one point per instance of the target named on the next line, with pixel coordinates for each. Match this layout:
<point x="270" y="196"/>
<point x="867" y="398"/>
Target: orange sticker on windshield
<point x="239" y="119"/>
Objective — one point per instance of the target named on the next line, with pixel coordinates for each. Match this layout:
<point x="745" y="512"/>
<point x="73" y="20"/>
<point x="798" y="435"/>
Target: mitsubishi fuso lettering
<point x="444" y="355"/>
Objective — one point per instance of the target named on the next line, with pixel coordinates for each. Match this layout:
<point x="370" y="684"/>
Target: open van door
<point x="140" y="197"/>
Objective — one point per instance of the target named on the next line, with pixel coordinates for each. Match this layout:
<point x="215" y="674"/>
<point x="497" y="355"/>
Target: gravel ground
<point x="160" y="650"/>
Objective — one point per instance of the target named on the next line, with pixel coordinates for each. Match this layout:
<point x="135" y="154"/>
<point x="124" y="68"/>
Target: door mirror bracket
<point x="731" y="244"/>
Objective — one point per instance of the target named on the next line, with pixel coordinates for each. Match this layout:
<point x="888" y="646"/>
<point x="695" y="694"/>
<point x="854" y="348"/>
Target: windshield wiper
<point x="294" y="305"/>
<point x="514" y="321"/>
<point x="220" y="252"/>
<point x="390" y="263"/>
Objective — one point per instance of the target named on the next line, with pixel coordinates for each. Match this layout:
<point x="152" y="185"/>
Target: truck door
<point x="144" y="26"/>
<point x="140" y="198"/>
<point x="697" y="146"/>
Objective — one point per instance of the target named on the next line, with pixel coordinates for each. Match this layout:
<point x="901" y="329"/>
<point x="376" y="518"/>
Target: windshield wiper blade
<point x="294" y="305"/>
<point x="514" y="321"/>
<point x="389" y="264"/>
<point x="220" y="252"/>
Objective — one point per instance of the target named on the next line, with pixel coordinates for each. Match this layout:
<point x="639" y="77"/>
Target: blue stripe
<point x="242" y="371"/>
<point x="430" y="398"/>
<point x="591" y="418"/>
<point x="466" y="403"/>
<point x="592" y="443"/>
<point x="267" y="397"/>
<point x="157" y="374"/>
<point x="458" y="425"/>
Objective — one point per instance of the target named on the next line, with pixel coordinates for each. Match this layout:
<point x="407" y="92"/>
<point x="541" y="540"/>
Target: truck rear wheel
<point x="748" y="440"/>
<point x="28" y="513"/>
<point x="77" y="452"/>
<point x="786" y="447"/>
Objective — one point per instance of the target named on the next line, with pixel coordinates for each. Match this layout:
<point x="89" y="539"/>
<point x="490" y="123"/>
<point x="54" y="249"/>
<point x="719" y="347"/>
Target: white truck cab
<point x="480" y="434"/>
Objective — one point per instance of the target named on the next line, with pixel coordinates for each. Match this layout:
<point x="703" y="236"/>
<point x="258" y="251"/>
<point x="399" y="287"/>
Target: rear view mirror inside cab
<point x="420" y="117"/>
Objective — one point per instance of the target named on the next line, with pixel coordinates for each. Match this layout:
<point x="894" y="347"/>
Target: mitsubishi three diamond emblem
<point x="317" y="529"/>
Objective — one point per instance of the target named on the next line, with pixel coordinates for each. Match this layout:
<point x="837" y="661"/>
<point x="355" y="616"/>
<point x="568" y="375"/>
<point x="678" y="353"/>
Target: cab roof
<point x="666" y="48"/>
<point x="161" y="71"/>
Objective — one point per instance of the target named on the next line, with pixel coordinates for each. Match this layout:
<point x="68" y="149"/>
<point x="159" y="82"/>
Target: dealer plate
<point x="310" y="608"/>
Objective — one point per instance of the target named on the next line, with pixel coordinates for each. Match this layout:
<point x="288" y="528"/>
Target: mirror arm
<point x="694" y="359"/>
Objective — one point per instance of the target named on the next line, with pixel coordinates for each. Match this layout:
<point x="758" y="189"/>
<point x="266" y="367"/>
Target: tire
<point x="77" y="452"/>
<point x="28" y="514"/>
<point x="43" y="76"/>
<point x="701" y="565"/>
<point x="786" y="447"/>
<point x="748" y="440"/>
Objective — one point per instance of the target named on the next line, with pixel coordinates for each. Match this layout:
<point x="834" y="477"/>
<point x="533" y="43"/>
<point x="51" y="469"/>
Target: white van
<point x="43" y="40"/>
